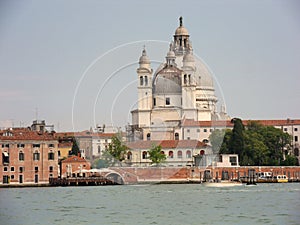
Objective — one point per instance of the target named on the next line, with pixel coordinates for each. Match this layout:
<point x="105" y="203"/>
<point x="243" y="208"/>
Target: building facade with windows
<point x="100" y="142"/>
<point x="91" y="143"/>
<point x="179" y="153"/>
<point x="74" y="166"/>
<point x="27" y="156"/>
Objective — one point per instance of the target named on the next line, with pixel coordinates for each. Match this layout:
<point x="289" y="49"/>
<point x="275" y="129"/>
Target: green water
<point x="152" y="204"/>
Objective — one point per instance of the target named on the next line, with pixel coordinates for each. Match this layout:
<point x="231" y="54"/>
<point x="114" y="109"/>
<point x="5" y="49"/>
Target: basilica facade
<point x="180" y="89"/>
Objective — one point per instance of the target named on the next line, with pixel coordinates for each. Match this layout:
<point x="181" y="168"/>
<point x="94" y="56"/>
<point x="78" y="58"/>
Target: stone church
<point x="180" y="89"/>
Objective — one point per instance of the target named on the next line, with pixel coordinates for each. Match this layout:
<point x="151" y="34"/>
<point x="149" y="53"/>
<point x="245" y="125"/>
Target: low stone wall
<point x="133" y="175"/>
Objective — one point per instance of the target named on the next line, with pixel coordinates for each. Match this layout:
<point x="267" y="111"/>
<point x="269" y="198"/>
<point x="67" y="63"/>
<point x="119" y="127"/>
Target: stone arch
<point x="115" y="177"/>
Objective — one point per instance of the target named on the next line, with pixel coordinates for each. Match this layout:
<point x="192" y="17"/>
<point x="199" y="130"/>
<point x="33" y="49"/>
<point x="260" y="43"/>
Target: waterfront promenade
<point x="163" y="175"/>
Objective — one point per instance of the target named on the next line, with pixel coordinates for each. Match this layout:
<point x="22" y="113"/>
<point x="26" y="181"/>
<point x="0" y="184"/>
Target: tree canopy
<point x="156" y="156"/>
<point x="75" y="148"/>
<point x="116" y="151"/>
<point x="256" y="144"/>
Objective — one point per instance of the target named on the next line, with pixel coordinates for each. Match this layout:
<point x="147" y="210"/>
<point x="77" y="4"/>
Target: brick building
<point x="75" y="166"/>
<point x="28" y="156"/>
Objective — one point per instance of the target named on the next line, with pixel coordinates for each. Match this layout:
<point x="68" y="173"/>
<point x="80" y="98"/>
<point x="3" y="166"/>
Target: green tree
<point x="116" y="150"/>
<point x="75" y="148"/>
<point x="156" y="156"/>
<point x="255" y="151"/>
<point x="276" y="140"/>
<point x="237" y="138"/>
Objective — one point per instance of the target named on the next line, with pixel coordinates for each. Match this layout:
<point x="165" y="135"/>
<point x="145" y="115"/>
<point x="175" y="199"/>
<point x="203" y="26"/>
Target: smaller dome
<point x="188" y="58"/>
<point x="181" y="31"/>
<point x="144" y="58"/>
<point x="171" y="54"/>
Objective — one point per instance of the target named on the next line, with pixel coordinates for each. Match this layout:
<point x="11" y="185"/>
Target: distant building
<point x="64" y="149"/>
<point x="27" y="156"/>
<point x="178" y="153"/>
<point x="91" y="143"/>
<point x="75" y="166"/>
<point x="100" y="142"/>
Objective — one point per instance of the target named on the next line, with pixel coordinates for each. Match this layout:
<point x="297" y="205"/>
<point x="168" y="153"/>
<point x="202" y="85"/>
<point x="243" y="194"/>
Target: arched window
<point x="202" y="152"/>
<point x="188" y="154"/>
<point x="141" y="81"/>
<point x="171" y="154"/>
<point x="189" y="78"/>
<point x="129" y="155"/>
<point x="99" y="149"/>
<point x="146" y="81"/>
<point x="148" y="136"/>
<point x="144" y="155"/>
<point x="296" y="151"/>
<point x="176" y="136"/>
<point x="162" y="152"/>
<point x="184" y="79"/>
<point x="179" y="154"/>
<point x="21" y="156"/>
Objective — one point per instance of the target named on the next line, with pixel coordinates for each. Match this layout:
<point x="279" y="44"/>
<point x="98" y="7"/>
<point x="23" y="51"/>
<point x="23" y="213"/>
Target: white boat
<point x="222" y="183"/>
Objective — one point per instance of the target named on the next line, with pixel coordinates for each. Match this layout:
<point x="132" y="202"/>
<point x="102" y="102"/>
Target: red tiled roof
<point x="25" y="134"/>
<point x="74" y="158"/>
<point x="219" y="123"/>
<point x="166" y="144"/>
<point x="227" y="123"/>
<point x="275" y="122"/>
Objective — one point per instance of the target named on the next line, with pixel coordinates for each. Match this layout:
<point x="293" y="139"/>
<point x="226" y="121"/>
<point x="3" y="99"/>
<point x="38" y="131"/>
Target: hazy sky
<point x="62" y="57"/>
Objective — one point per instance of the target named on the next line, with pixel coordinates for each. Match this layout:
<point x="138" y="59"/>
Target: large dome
<point x="167" y="81"/>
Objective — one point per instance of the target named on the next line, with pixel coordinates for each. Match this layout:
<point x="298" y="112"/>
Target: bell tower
<point x="145" y="102"/>
<point x="181" y="39"/>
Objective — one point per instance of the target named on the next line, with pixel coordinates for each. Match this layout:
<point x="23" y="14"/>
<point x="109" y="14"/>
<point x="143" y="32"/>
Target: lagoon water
<point x="152" y="204"/>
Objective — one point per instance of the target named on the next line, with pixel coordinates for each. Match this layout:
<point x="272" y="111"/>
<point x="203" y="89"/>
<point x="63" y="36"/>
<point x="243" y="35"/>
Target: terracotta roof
<point x="219" y="123"/>
<point x="74" y="158"/>
<point x="227" y="123"/>
<point x="25" y="134"/>
<point x="166" y="144"/>
<point x="287" y="122"/>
